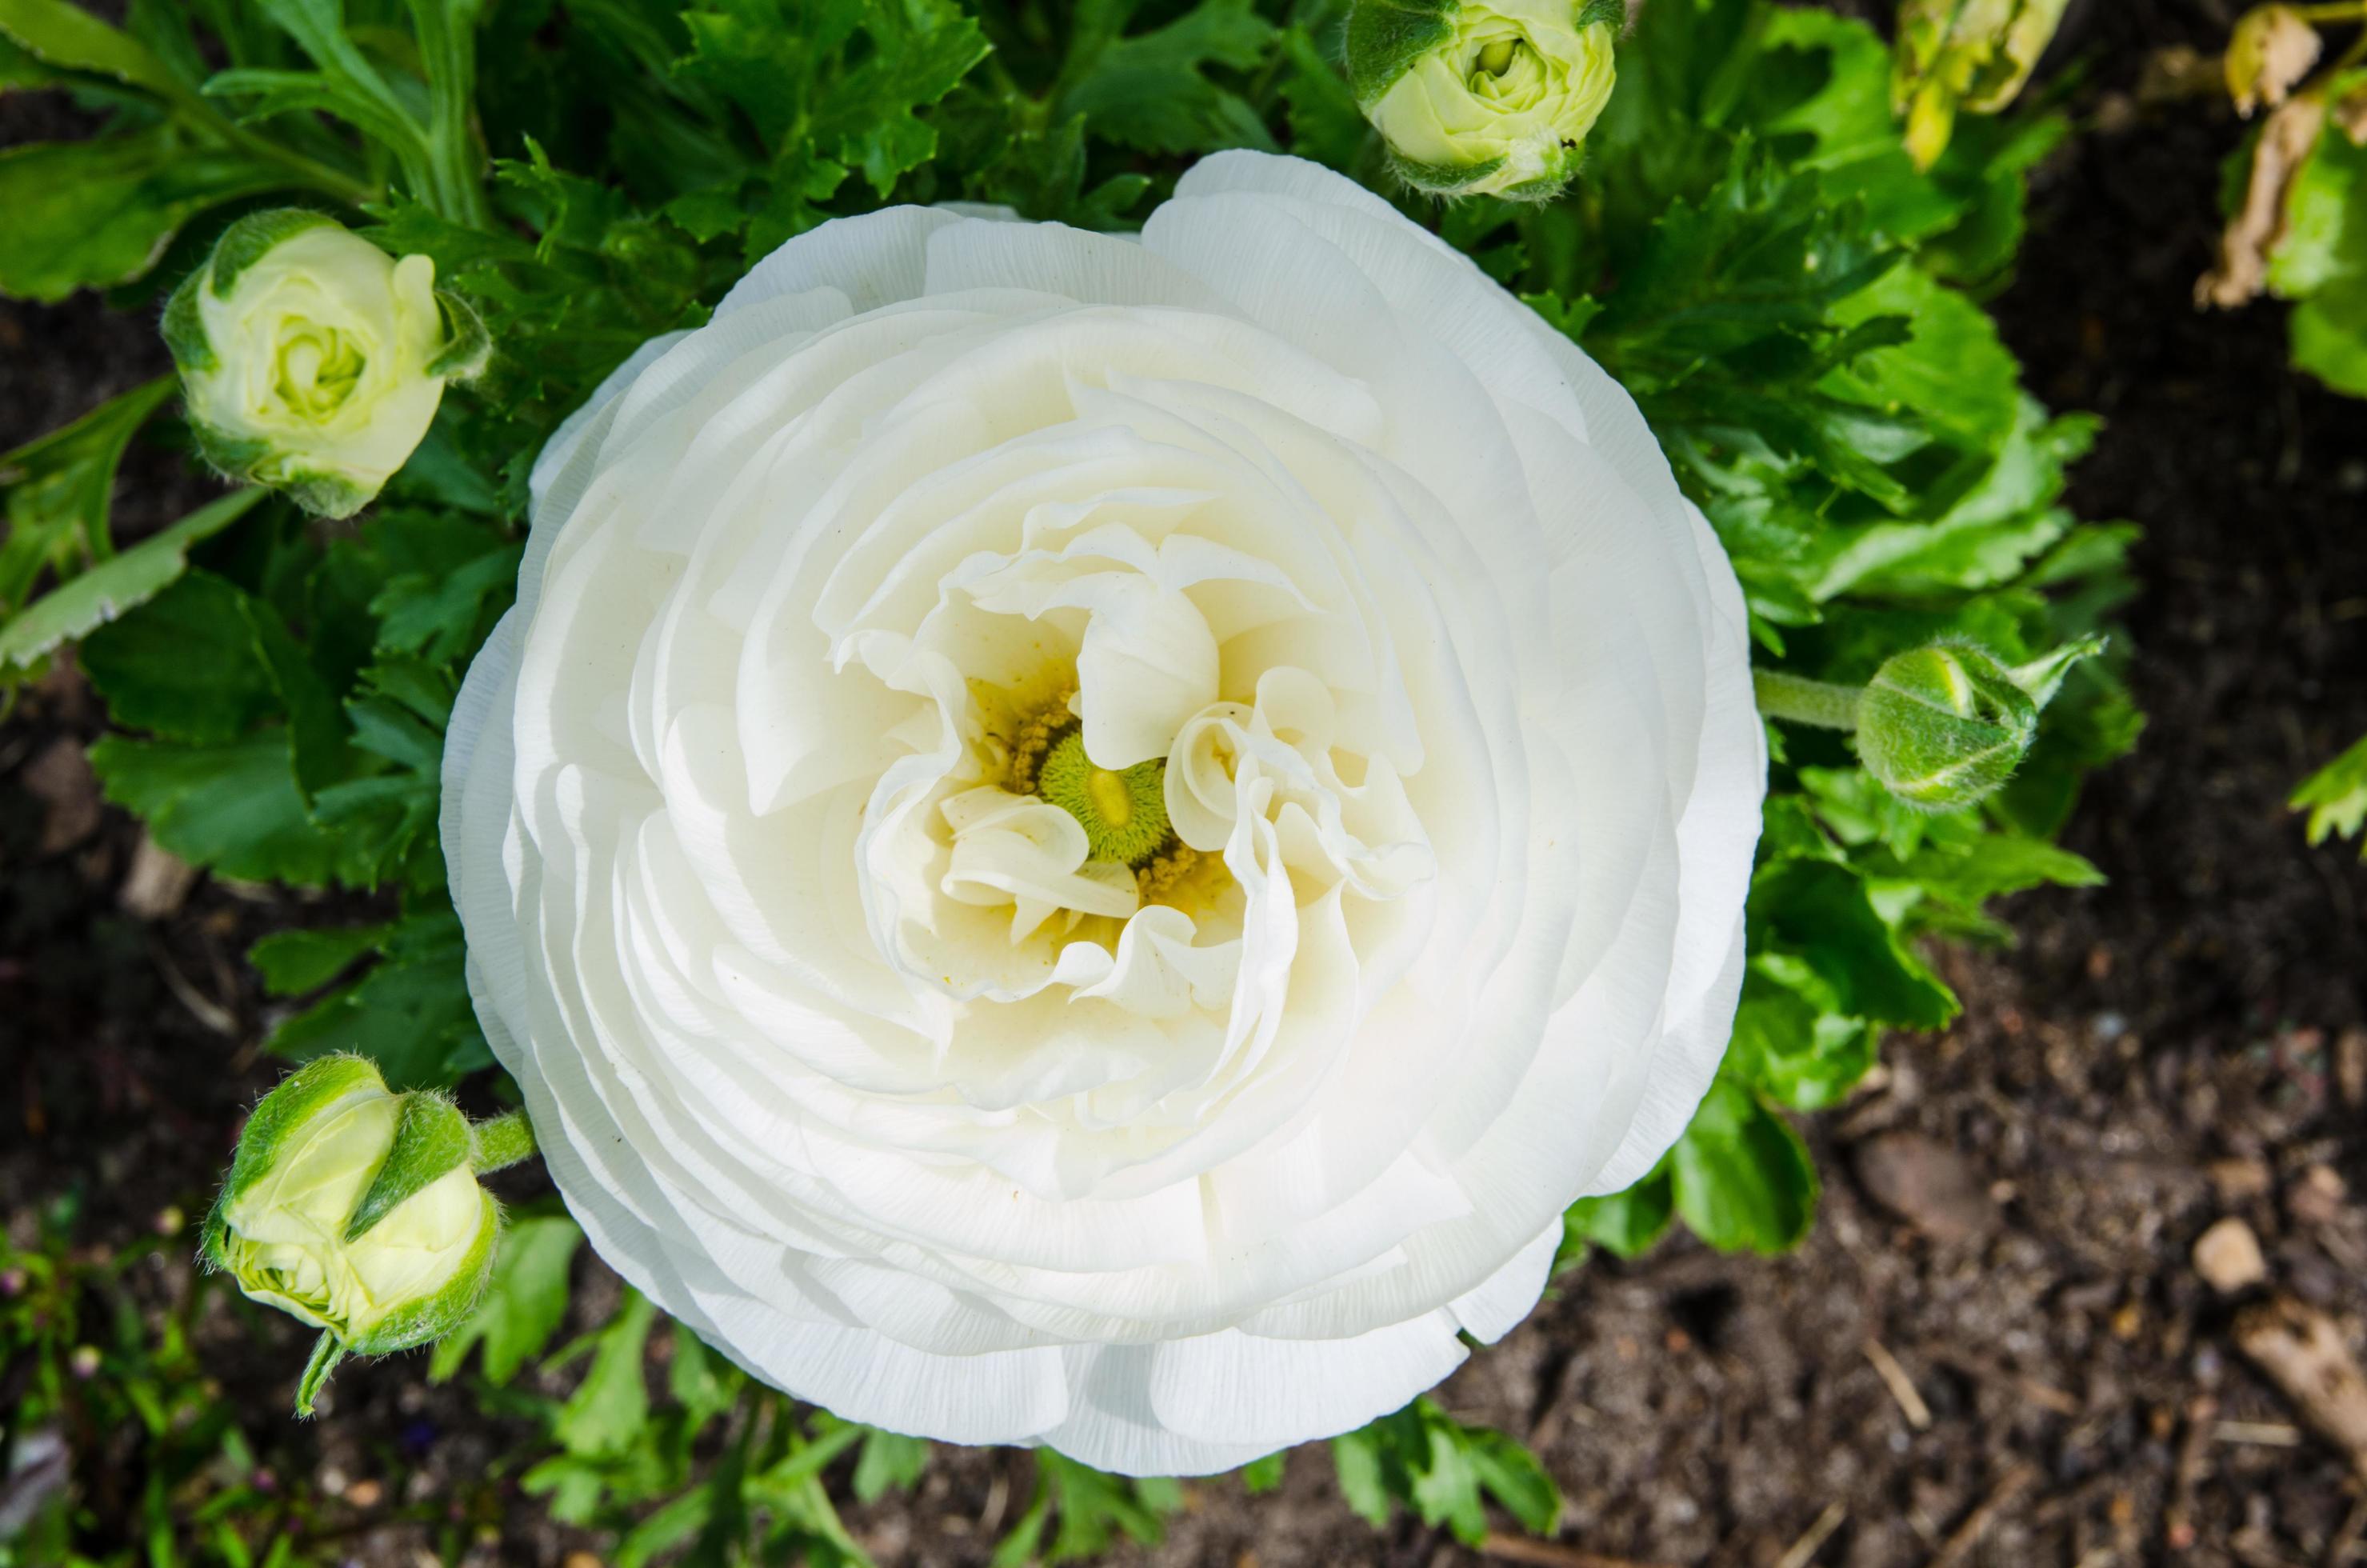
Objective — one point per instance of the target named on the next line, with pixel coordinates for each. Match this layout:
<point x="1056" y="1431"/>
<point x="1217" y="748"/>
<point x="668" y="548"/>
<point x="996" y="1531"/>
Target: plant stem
<point x="1798" y="700"/>
<point x="501" y="1142"/>
<point x="447" y="46"/>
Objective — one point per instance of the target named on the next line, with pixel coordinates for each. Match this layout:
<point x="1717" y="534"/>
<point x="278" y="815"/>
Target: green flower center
<point x="1497" y="58"/>
<point x="319" y="368"/>
<point x="1123" y="812"/>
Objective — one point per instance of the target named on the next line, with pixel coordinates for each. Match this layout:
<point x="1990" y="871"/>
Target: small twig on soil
<point x="1546" y="1554"/>
<point x="202" y="1007"/>
<point x="2302" y="1352"/>
<point x="2193" y="1459"/>
<point x="1902" y="1387"/>
<point x="2044" y="1395"/>
<point x="2259" y="1434"/>
<point x="1804" y="1551"/>
<point x="1960" y="1545"/>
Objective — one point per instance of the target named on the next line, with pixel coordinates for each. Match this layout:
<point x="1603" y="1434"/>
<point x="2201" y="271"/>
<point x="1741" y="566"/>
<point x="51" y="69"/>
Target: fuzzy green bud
<point x="1483" y="97"/>
<point x="1944" y="726"/>
<point x="311" y="361"/>
<point x="1968" y="54"/>
<point x="356" y="1210"/>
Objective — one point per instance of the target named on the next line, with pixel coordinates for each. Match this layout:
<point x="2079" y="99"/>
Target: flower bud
<point x="355" y="1209"/>
<point x="2271" y="50"/>
<point x="1971" y="54"/>
<point x="1942" y="726"/>
<point x="312" y="361"/>
<point x="1483" y="97"/>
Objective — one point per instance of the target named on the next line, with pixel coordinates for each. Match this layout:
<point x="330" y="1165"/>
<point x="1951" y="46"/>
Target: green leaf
<point x="523" y="1304"/>
<point x="102" y="595"/>
<point x="58" y="491"/>
<point x="1260" y="1476"/>
<point x="1793" y="1039"/>
<point x="1743" y="1179"/>
<point x="607" y="1412"/>
<point x="2336" y="796"/>
<point x="411" y="1014"/>
<point x="63" y="35"/>
<point x="232" y="808"/>
<point x="1445" y="1472"/>
<point x="1152" y="90"/>
<point x="292" y="963"/>
<point x="2329" y="335"/>
<point x="186" y="668"/>
<point x="1626" y="1224"/>
<point x="890" y="1461"/>
<point x="1822" y="910"/>
<point x="1092" y="1510"/>
<point x="93" y="214"/>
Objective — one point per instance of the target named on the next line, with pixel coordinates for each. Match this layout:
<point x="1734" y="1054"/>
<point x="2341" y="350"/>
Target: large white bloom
<point x="868" y="1061"/>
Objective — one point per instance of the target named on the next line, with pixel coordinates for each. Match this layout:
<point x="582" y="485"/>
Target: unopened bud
<point x="313" y="360"/>
<point x="358" y="1211"/>
<point x="1946" y="725"/>
<point x="1483" y="97"/>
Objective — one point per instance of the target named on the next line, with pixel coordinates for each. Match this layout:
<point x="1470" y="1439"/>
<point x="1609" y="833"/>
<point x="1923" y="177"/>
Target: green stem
<point x="319" y="175"/>
<point x="501" y="1142"/>
<point x="448" y="48"/>
<point x="327" y="1351"/>
<point x="1798" y="700"/>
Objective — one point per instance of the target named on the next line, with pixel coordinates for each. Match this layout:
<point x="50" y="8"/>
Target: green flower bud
<point x="358" y="1211"/>
<point x="1487" y="97"/>
<point x="311" y="361"/>
<point x="1944" y="726"/>
<point x="1971" y="54"/>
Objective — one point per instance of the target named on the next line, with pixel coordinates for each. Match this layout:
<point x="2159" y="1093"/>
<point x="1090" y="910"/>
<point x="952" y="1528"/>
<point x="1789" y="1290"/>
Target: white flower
<point x="866" y="1059"/>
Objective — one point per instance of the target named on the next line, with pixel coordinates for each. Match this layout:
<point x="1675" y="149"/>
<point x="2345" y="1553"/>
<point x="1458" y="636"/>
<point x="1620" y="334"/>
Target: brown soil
<point x="2159" y="1053"/>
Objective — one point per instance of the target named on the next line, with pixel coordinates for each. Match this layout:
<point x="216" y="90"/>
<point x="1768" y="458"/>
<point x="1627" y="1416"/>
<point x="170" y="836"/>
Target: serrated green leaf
<point x="1823" y="911"/>
<point x="58" y="489"/>
<point x="93" y="214"/>
<point x="292" y="963"/>
<point x="232" y="808"/>
<point x="1744" y="1181"/>
<point x="523" y="1304"/>
<point x="605" y="1413"/>
<point x="1152" y="89"/>
<point x="2336" y="797"/>
<point x="92" y="599"/>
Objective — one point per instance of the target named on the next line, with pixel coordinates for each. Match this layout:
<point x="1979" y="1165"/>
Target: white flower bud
<point x="313" y="361"/>
<point x="355" y="1209"/>
<point x="1488" y="97"/>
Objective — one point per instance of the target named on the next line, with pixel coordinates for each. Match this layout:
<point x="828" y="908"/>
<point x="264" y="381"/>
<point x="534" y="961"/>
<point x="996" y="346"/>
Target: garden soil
<point x="1997" y="1351"/>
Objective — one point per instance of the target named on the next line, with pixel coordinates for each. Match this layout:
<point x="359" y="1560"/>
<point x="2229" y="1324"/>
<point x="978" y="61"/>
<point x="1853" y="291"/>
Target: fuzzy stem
<point x="501" y="1142"/>
<point x="1798" y="700"/>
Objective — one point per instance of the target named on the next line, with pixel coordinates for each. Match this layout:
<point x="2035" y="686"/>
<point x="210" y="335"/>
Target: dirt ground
<point x="1994" y="1352"/>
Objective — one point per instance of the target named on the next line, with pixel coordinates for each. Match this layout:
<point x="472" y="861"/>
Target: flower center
<point x="1497" y="58"/>
<point x="319" y="368"/>
<point x="1123" y="813"/>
